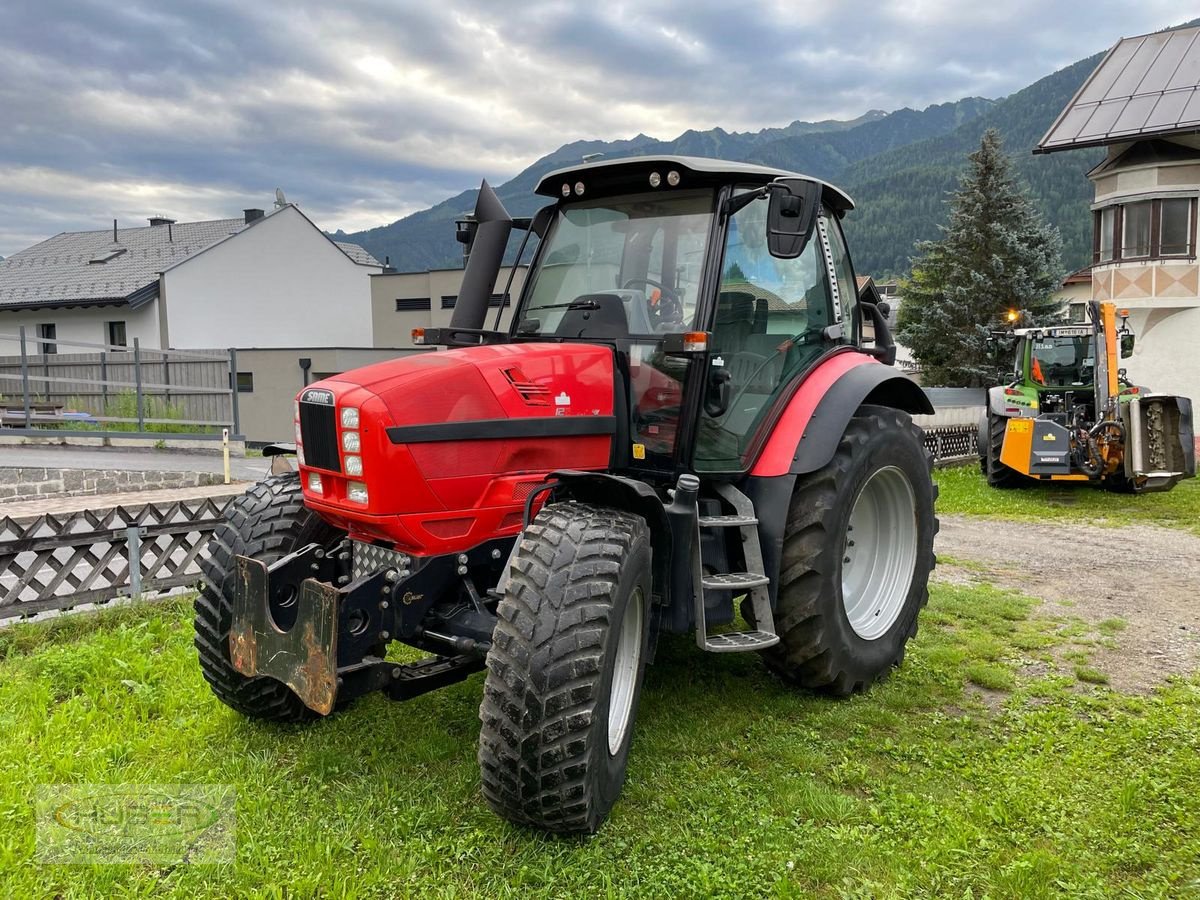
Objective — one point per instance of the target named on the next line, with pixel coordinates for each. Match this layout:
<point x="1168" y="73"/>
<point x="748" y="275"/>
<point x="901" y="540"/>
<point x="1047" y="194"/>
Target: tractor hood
<point x="438" y="446"/>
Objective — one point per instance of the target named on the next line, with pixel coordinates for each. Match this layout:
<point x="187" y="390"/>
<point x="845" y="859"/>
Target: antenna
<point x="280" y="200"/>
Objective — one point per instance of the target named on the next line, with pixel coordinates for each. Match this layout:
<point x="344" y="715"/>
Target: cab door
<point x="774" y="319"/>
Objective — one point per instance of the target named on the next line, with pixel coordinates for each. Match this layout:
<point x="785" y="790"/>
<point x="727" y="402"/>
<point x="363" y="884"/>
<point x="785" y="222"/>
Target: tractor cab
<point x="717" y="283"/>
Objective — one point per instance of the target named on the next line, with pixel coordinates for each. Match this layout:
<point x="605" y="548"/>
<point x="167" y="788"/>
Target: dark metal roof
<point x="1146" y="86"/>
<point x="708" y="170"/>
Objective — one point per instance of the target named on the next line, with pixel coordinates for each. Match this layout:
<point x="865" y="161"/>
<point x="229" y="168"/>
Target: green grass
<point x="738" y="786"/>
<point x="962" y="489"/>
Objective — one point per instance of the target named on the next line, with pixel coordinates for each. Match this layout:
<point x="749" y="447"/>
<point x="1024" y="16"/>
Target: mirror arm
<point x="735" y="204"/>
<point x="885" y="347"/>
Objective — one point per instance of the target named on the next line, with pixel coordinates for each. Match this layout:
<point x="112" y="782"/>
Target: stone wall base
<point x="31" y="482"/>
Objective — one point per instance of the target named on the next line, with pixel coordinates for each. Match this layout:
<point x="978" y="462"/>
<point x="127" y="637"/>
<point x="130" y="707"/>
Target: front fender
<point x="631" y="495"/>
<point x="807" y="434"/>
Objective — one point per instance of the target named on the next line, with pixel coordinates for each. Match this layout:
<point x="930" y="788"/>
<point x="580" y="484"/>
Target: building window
<point x="448" y="300"/>
<point x="1135" y="232"/>
<point x="1175" y="227"/>
<point x="415" y="303"/>
<point x="245" y="382"/>
<point x="1145" y="229"/>
<point x="46" y="334"/>
<point x="1106" y="228"/>
<point x="116" y="334"/>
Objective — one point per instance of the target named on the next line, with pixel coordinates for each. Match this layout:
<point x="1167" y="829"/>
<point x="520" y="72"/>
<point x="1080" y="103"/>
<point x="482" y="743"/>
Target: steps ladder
<point x="755" y="581"/>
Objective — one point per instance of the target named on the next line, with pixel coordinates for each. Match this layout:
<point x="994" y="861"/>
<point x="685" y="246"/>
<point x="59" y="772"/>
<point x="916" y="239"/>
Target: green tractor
<point x="1071" y="414"/>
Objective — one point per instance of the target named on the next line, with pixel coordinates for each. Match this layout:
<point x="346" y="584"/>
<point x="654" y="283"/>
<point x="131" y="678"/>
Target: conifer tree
<point x="995" y="255"/>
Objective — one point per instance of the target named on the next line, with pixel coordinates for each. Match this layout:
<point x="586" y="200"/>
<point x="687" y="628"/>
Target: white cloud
<point x="371" y="109"/>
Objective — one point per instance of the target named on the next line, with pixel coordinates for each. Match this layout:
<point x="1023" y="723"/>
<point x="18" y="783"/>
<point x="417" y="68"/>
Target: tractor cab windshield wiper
<point x="574" y="304"/>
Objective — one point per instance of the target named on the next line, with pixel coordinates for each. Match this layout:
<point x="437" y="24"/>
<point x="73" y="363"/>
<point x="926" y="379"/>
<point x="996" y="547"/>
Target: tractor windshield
<point x="1062" y="361"/>
<point x="616" y="267"/>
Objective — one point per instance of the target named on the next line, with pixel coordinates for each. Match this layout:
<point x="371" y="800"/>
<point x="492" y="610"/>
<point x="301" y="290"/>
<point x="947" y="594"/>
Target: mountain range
<point x="898" y="166"/>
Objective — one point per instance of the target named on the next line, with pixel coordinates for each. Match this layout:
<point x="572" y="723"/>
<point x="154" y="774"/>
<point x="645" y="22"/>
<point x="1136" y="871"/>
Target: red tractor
<point x="681" y="424"/>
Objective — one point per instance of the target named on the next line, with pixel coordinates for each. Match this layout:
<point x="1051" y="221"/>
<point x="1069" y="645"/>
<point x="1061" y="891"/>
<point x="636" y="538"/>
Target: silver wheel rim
<point x="880" y="553"/>
<point x="624" y="674"/>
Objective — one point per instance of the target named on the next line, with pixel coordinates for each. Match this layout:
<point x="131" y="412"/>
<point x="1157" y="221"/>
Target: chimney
<point x="161" y="220"/>
<point x="252" y="215"/>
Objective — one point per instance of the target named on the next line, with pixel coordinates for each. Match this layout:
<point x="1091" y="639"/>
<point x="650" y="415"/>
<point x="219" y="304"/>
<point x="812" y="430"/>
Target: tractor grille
<point x="318" y="431"/>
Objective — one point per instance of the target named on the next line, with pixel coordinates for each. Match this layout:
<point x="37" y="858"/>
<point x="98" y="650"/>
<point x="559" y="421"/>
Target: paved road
<point x="242" y="469"/>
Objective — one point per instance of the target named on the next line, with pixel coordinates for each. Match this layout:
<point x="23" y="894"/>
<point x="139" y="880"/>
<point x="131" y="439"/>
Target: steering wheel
<point x="668" y="309"/>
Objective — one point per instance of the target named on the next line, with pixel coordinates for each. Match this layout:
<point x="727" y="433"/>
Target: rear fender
<point x="997" y="405"/>
<point x="807" y="434"/>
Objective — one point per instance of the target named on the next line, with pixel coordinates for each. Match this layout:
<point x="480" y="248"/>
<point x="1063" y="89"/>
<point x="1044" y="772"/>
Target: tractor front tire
<point x="266" y="523"/>
<point x="857" y="553"/>
<point x="997" y="473"/>
<point x="565" y="669"/>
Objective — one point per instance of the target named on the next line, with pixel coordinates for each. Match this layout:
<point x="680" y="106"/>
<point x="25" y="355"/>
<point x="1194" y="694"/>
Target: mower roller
<point x="681" y="431"/>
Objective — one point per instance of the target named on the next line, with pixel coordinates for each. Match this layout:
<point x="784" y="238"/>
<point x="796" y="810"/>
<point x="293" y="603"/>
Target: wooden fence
<point x="56" y="562"/>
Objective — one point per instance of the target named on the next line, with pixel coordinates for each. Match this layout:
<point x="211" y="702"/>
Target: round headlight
<point x="673" y="178"/>
<point x="354" y="465"/>
<point x="655" y="179"/>
<point x="579" y="189"/>
<point x="349" y="417"/>
<point x="350" y="441"/>
<point x="566" y="190"/>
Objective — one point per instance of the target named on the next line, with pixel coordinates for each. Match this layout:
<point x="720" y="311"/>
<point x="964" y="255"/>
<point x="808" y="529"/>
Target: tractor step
<point x="754" y="582"/>
<point x="737" y="641"/>
<point x="734" y="581"/>
<point x="727" y="521"/>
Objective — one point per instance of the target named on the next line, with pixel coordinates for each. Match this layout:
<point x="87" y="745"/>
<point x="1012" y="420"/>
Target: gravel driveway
<point x="1146" y="575"/>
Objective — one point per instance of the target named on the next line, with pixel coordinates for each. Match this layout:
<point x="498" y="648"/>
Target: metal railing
<point x="191" y="392"/>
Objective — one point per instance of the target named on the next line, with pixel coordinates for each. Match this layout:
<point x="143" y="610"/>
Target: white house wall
<point x="89" y="325"/>
<point x="279" y="283"/>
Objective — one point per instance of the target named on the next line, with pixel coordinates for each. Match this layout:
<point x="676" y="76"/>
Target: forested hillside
<point x="901" y="194"/>
<point x="898" y="166"/>
<point x="823" y="149"/>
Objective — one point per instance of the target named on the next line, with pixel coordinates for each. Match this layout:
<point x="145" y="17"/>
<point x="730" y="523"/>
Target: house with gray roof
<point x="258" y="281"/>
<point x="1142" y="104"/>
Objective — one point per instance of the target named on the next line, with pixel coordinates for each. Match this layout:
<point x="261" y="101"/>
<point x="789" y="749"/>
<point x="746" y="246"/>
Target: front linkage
<point x="308" y="621"/>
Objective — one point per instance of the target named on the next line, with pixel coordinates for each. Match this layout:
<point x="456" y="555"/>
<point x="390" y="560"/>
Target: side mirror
<point x="1126" y="345"/>
<point x="791" y="216"/>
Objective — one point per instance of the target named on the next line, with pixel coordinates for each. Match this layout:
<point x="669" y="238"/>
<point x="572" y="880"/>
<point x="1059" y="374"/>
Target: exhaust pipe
<point x="492" y="227"/>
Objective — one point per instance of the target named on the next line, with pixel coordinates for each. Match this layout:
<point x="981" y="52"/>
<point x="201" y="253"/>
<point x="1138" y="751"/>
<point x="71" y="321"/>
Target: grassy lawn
<point x="963" y="490"/>
<point x="964" y="775"/>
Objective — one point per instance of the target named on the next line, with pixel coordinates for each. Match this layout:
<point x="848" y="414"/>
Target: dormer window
<point x="106" y="255"/>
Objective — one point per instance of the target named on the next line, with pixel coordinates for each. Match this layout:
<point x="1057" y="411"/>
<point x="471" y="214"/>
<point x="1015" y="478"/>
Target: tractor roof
<point x="632" y="172"/>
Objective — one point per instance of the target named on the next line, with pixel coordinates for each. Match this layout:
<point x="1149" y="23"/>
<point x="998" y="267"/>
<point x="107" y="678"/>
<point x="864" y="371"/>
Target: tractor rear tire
<point x="266" y="523"/>
<point x="842" y="628"/>
<point x="565" y="669"/>
<point x="997" y="473"/>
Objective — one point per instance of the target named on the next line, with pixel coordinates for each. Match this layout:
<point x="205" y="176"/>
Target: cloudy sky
<point x="366" y="110"/>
